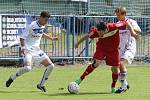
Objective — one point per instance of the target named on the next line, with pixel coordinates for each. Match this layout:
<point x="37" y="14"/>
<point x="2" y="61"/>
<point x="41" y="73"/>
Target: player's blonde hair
<point x="122" y="10"/>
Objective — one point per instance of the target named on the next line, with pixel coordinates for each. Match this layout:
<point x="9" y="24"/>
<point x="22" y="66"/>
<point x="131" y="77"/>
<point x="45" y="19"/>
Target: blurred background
<point x="74" y="7"/>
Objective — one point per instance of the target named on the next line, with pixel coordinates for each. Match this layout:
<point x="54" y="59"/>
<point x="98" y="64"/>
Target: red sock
<point x="88" y="70"/>
<point x="114" y="79"/>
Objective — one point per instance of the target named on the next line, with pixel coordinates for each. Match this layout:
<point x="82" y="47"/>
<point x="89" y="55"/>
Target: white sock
<point x="21" y="71"/>
<point x="123" y="79"/>
<point x="46" y="74"/>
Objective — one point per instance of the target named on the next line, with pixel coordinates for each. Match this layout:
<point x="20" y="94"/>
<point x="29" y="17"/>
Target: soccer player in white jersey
<point x="30" y="41"/>
<point x="127" y="50"/>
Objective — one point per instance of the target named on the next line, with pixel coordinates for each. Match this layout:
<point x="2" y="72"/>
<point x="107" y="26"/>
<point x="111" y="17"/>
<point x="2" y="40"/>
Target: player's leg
<point x="90" y="68"/>
<point x="123" y="74"/>
<point x="115" y="75"/>
<point x="49" y="67"/>
<point x="27" y="67"/>
<point x="98" y="56"/>
<point x="112" y="59"/>
<point x="123" y="78"/>
<point x="127" y="58"/>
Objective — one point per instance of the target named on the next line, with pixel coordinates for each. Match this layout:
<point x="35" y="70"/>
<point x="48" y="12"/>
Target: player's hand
<point x="136" y="36"/>
<point x="76" y="45"/>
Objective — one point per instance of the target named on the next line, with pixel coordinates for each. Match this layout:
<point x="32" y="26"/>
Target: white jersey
<point x="127" y="42"/>
<point x="32" y="35"/>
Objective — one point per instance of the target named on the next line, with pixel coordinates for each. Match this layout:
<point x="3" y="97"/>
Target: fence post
<point x="73" y="41"/>
<point x="68" y="36"/>
<point x="87" y="41"/>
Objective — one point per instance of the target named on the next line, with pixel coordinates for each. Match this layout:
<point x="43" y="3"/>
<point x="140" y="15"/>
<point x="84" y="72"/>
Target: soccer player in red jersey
<point x="107" y="46"/>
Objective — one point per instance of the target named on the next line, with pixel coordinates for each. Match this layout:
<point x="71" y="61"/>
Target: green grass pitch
<point x="95" y="87"/>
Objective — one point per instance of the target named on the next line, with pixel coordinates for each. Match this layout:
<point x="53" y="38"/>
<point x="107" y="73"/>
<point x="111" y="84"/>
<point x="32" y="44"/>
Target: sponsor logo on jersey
<point x="38" y="31"/>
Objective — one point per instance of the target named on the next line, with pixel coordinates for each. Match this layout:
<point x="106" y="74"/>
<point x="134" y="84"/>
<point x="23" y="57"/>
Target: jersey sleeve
<point x="118" y="25"/>
<point x="93" y="33"/>
<point x="25" y="32"/>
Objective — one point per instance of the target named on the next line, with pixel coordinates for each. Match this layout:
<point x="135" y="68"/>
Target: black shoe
<point x="42" y="88"/>
<point x="128" y="86"/>
<point x="120" y="90"/>
<point x="8" y="82"/>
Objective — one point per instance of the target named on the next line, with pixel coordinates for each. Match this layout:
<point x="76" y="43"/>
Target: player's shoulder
<point x="114" y="24"/>
<point x="33" y="23"/>
<point x="111" y="24"/>
<point x="93" y="30"/>
<point x="131" y="20"/>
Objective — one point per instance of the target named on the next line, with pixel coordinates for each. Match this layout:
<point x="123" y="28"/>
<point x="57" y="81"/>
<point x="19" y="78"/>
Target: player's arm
<point x="23" y="36"/>
<point x="132" y="30"/>
<point x="85" y="37"/>
<point x="126" y="24"/>
<point x="49" y="37"/>
<point x="137" y="30"/>
<point x="136" y="27"/>
<point x="92" y="34"/>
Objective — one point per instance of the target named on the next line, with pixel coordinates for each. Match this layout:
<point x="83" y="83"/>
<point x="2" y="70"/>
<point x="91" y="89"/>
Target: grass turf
<point x="95" y="87"/>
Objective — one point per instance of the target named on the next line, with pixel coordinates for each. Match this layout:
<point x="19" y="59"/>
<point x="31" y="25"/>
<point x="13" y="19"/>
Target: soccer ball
<point x="73" y="88"/>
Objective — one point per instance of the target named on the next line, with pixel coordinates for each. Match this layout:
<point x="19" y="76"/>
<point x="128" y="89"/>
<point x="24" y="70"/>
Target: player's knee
<point x="115" y="70"/>
<point x="112" y="69"/>
<point x="123" y="69"/>
<point x="95" y="64"/>
<point x="28" y="68"/>
<point x="51" y="66"/>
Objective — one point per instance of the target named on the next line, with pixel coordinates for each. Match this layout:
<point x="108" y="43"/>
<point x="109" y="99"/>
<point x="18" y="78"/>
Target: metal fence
<point x="55" y="7"/>
<point x="74" y="7"/>
<point x="70" y="29"/>
<point x="106" y="7"/>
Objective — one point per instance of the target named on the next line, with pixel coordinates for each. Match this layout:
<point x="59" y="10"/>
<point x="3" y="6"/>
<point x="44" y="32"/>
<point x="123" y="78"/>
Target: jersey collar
<point x="38" y="23"/>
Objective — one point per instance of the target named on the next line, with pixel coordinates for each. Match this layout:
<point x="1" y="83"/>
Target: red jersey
<point x="112" y="41"/>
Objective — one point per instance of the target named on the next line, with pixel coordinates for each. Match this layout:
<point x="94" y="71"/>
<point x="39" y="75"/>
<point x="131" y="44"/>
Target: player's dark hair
<point x="121" y="9"/>
<point x="45" y="14"/>
<point x="101" y="26"/>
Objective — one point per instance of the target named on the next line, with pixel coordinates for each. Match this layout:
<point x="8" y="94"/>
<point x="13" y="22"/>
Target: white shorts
<point x="129" y="52"/>
<point x="35" y="56"/>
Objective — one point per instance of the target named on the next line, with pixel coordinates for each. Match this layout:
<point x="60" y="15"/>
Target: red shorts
<point x="110" y="56"/>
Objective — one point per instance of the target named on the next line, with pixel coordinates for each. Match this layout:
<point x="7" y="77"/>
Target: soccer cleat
<point x="8" y="82"/>
<point x="42" y="88"/>
<point x="113" y="90"/>
<point x="121" y="90"/>
<point x="78" y="81"/>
